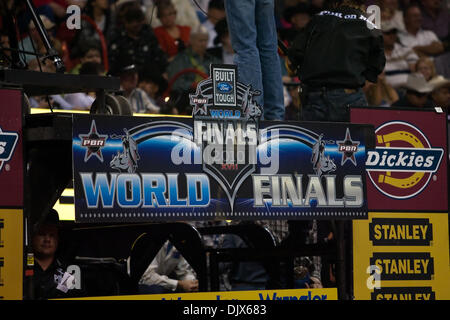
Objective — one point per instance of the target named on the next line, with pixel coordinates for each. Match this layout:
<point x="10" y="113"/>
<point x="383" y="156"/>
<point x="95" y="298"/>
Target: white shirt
<point x="227" y="58"/>
<point x="79" y="100"/>
<point x="422" y="38"/>
<point x="397" y="65"/>
<point x="211" y="31"/>
<point x="168" y="260"/>
<point x="141" y="103"/>
<point x="396" y="21"/>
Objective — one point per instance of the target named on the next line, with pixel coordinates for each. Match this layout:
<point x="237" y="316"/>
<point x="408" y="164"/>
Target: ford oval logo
<point x="224" y="87"/>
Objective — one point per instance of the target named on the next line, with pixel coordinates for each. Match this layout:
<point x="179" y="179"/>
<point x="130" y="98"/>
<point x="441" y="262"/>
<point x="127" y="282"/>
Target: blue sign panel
<point x="140" y="169"/>
<point x="223" y="163"/>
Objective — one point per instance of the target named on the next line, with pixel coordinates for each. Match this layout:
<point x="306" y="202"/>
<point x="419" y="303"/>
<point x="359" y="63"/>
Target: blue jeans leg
<point x="253" y="35"/>
<point x="270" y="60"/>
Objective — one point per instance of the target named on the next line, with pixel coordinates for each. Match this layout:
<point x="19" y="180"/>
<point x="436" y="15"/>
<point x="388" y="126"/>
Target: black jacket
<point x="338" y="49"/>
<point x="142" y="52"/>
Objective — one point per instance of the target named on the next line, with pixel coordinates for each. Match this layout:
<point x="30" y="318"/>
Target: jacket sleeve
<point x="184" y="270"/>
<point x="377" y="59"/>
<point x="152" y="277"/>
<point x="297" y="51"/>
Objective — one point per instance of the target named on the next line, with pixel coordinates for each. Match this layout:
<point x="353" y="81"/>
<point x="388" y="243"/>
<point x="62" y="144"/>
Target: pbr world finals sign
<point x="224" y="163"/>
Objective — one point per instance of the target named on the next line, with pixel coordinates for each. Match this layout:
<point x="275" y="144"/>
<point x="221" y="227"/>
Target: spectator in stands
<point x="50" y="279"/>
<point x="136" y="44"/>
<point x="186" y="13"/>
<point x="172" y="38"/>
<point x="303" y="275"/>
<point x="440" y="96"/>
<point x="139" y="101"/>
<point x="425" y="66"/>
<point x="54" y="101"/>
<point x="298" y="16"/>
<point x="5" y="54"/>
<point x="216" y="12"/>
<point x="82" y="100"/>
<point x="380" y="94"/>
<point x="89" y="52"/>
<point x="100" y="13"/>
<point x="154" y="86"/>
<point x="168" y="272"/>
<point x="201" y="8"/>
<point x="400" y="60"/>
<point x="34" y="43"/>
<point x="391" y="16"/>
<point x="436" y="18"/>
<point x="196" y="57"/>
<point x="58" y="7"/>
<point x="317" y="6"/>
<point x="222" y="50"/>
<point x="423" y="42"/>
<point x="417" y="91"/>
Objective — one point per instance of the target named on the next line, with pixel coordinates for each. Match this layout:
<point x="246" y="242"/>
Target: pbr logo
<point x="348" y="148"/>
<point x="403" y="162"/>
<point x="8" y="141"/>
<point x="226" y="119"/>
<point x="94" y="142"/>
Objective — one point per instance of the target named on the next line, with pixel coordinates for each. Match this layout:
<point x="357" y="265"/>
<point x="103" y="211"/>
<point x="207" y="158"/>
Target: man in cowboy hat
<point x="417" y="91"/>
<point x="440" y="96"/>
<point x="50" y="278"/>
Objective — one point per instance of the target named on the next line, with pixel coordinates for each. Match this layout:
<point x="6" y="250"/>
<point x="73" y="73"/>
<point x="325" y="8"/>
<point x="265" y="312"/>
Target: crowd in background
<point x="161" y="49"/>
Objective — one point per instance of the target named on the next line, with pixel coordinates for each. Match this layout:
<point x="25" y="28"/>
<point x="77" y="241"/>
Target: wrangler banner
<point x="261" y="295"/>
<point x="401" y="256"/>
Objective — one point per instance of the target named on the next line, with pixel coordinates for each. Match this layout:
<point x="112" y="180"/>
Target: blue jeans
<point x="254" y="38"/>
<point x="332" y="105"/>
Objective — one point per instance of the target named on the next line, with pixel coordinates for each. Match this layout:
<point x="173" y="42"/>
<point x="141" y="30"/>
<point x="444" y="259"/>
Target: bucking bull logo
<point x="321" y="164"/>
<point x="126" y="161"/>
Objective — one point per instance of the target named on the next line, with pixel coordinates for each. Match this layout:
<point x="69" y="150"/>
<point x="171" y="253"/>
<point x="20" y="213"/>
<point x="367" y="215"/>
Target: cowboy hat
<point x="439" y="82"/>
<point x="416" y="82"/>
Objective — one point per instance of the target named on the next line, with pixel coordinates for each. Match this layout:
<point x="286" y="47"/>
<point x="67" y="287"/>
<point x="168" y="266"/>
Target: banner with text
<point x="401" y="256"/>
<point x="407" y="171"/>
<point x="261" y="295"/>
<point x="140" y="169"/>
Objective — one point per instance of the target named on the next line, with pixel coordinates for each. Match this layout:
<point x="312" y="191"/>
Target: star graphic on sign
<point x="94" y="142"/>
<point x="199" y="106"/>
<point x="348" y="147"/>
